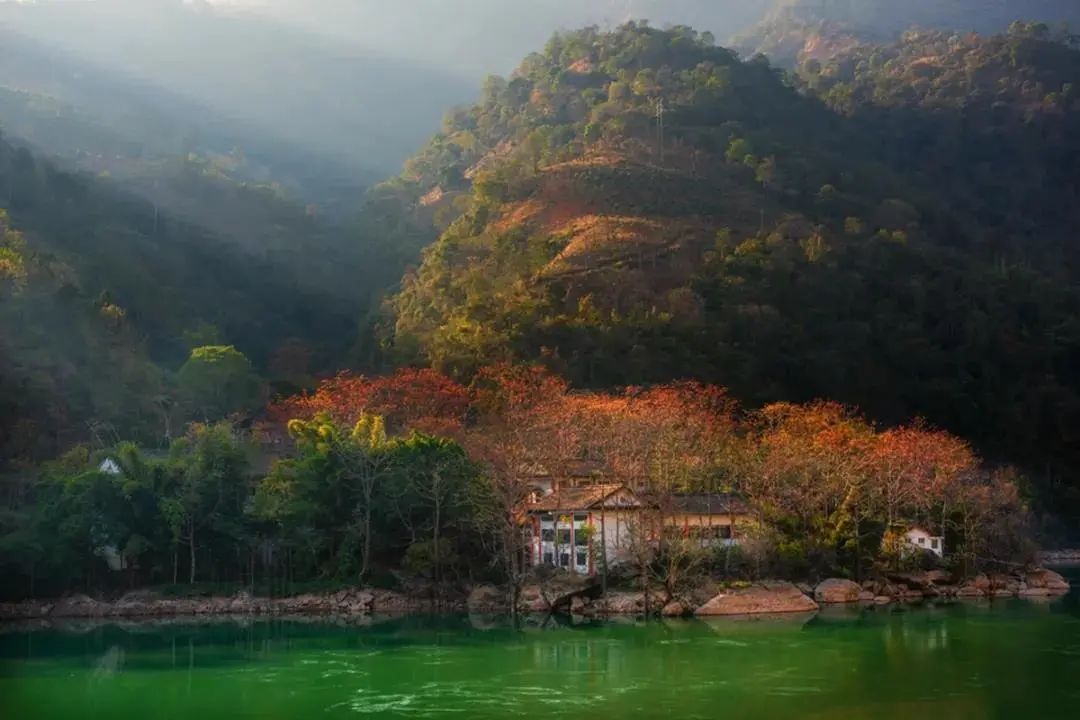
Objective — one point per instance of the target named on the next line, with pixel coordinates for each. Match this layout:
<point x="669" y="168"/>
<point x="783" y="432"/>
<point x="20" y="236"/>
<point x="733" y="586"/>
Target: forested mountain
<point x="915" y="264"/>
<point x="795" y="30"/>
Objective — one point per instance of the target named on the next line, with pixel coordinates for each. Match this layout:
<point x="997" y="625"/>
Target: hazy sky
<point x="476" y="37"/>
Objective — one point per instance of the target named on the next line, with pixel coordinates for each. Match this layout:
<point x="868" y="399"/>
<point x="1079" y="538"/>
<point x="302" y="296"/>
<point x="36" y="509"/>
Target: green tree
<point x="218" y="380"/>
<point x="432" y="496"/>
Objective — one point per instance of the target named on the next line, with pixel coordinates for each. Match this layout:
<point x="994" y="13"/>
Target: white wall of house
<point x="563" y="541"/>
<point x="918" y="538"/>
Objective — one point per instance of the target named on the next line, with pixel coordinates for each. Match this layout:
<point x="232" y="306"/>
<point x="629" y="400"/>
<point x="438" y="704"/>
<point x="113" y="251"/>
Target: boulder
<point x="978" y="586"/>
<point x="486" y="598"/>
<point x="578" y="605"/>
<point x="675" y="608"/>
<point x="562" y="587"/>
<point x="1044" y="579"/>
<point x="79" y="606"/>
<point x="1004" y="583"/>
<point x="389" y="601"/>
<point x="837" y="591"/>
<point x="1036" y="592"/>
<point x="532" y="600"/>
<point x="778" y="597"/>
<point x="866" y="596"/>
<point x="927" y="581"/>
<point x="622" y="603"/>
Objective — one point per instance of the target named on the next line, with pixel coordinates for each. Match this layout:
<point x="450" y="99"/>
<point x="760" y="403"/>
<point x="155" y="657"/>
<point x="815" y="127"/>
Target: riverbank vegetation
<point x="416" y="472"/>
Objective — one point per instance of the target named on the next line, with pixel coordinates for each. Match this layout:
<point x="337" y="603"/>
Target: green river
<point x="1013" y="659"/>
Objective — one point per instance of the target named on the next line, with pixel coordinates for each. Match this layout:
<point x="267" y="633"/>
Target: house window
<point x="549" y="558"/>
<point x="922" y="541"/>
<point x="564" y="560"/>
<point x="564" y="536"/>
<point x="547" y="534"/>
<point x="581" y="538"/>
<point x="724" y="532"/>
<point x="935" y="543"/>
<point x="582" y="558"/>
<point x="581" y="517"/>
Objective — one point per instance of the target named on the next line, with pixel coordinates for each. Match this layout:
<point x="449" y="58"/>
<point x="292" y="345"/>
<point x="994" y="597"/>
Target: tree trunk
<point x="366" y="550"/>
<point x="191" y="551"/>
<point x="435" y="541"/>
<point x="603" y="552"/>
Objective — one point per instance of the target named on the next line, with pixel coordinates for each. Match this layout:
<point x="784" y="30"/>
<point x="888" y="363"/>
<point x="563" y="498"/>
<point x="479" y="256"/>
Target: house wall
<point x="727" y="526"/>
<point x="612" y="529"/>
<point x="919" y="538"/>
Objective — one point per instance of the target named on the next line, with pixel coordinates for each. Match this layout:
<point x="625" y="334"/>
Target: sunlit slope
<point x="764" y="240"/>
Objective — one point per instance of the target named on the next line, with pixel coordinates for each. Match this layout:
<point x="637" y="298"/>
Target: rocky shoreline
<point x="563" y="594"/>
<point x="779" y="597"/>
<point x="1060" y="557"/>
<point x="144" y="604"/>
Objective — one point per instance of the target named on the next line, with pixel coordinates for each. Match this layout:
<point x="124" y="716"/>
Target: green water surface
<point x="1014" y="660"/>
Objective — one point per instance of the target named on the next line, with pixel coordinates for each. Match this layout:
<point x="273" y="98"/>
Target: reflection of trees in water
<point x="110" y="663"/>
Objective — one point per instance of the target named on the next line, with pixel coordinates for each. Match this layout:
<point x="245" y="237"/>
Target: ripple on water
<point x="795" y="691"/>
<point x="367" y="702"/>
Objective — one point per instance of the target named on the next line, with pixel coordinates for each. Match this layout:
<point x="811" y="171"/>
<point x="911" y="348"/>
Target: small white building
<point x="109" y="467"/>
<point x="919" y="538"/>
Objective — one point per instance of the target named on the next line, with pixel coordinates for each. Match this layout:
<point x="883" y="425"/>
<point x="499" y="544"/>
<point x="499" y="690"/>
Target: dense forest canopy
<point x="910" y="254"/>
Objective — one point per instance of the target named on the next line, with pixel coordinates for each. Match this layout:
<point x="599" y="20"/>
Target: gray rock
<point x="836" y="591"/>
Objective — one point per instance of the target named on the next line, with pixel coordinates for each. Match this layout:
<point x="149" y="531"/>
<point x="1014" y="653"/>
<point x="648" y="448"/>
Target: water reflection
<point x="961" y="660"/>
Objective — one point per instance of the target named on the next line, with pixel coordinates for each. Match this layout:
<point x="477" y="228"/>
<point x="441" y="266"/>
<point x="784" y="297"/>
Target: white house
<point x="919" y="538"/>
<point x="109" y="467"/>
<point x="569" y="525"/>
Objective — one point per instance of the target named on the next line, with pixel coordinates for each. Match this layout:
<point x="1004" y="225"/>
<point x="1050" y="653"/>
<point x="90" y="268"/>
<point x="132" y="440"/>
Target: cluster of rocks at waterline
<point x="148" y="604"/>
<point x="566" y="593"/>
<point x="938" y="584"/>
<point x="578" y="595"/>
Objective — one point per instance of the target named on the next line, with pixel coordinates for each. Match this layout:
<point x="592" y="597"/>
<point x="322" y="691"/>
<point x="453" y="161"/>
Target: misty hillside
<point x="481" y="37"/>
<point x="800" y="29"/>
<point x="236" y="71"/>
<point x="114" y="293"/>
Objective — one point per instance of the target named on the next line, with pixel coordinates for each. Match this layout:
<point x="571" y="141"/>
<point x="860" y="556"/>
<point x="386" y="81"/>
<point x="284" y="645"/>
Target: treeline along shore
<point x="519" y="493"/>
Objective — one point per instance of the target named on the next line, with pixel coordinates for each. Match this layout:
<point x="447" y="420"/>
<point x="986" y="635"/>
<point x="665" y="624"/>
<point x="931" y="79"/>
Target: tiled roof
<point x="579" y="498"/>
